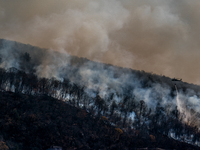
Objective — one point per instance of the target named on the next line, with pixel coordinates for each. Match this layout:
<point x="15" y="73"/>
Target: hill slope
<point x="146" y="102"/>
<point x="37" y="122"/>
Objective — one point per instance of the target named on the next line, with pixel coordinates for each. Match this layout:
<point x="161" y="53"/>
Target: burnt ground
<point x="38" y="122"/>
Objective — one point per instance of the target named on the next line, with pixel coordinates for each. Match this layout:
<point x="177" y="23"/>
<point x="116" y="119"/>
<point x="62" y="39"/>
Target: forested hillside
<point x="136" y="103"/>
<point x="38" y="122"/>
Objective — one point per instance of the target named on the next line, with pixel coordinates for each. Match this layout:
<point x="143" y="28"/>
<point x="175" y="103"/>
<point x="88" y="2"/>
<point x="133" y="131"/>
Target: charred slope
<point x="37" y="122"/>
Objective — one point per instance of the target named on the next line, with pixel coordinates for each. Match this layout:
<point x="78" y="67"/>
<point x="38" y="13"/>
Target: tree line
<point x="145" y="120"/>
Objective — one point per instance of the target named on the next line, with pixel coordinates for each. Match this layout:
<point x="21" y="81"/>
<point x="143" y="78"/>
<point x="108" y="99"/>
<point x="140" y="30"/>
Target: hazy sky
<point x="159" y="36"/>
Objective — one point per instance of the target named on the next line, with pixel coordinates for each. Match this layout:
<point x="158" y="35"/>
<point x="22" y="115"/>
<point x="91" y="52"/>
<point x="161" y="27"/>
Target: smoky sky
<point x="157" y="36"/>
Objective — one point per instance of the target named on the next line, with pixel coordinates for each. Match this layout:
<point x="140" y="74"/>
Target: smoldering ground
<point x="156" y="36"/>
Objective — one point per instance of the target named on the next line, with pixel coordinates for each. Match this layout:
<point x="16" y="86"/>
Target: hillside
<point x="135" y="101"/>
<point x="38" y="122"/>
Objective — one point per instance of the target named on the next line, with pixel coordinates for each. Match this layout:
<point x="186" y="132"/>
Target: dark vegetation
<point x="39" y="112"/>
<point x="37" y="122"/>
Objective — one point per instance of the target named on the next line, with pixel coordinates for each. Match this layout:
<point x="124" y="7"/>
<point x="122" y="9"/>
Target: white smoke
<point x="188" y="107"/>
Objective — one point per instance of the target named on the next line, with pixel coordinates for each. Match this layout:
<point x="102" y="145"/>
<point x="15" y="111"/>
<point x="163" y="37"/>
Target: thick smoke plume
<point x="156" y="35"/>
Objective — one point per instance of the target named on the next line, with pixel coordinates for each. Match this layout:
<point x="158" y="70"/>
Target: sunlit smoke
<point x="178" y="102"/>
<point x="184" y="107"/>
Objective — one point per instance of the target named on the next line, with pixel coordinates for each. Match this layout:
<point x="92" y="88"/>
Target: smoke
<point x="43" y="62"/>
<point x="156" y="36"/>
<point x="188" y="106"/>
<point x="178" y="102"/>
